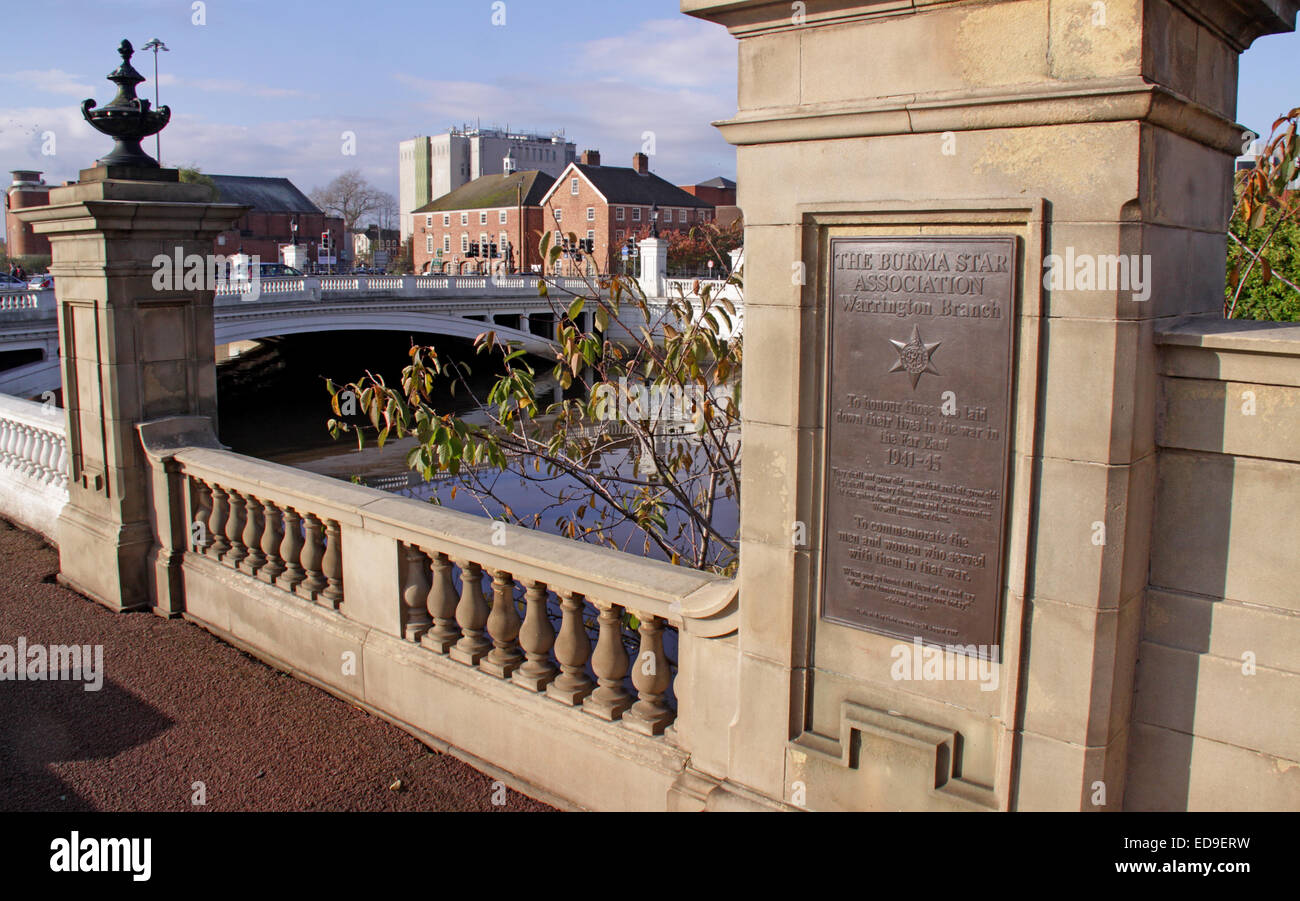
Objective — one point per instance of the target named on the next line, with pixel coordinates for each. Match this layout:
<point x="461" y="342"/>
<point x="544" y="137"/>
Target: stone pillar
<point x="134" y="348"/>
<point x="1080" y="130"/>
<point x="653" y="253"/>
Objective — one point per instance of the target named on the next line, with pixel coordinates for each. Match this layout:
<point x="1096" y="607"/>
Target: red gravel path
<point x="178" y="707"/>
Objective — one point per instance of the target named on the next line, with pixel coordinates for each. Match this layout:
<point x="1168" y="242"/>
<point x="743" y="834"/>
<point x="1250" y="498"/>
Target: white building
<point x="431" y="166"/>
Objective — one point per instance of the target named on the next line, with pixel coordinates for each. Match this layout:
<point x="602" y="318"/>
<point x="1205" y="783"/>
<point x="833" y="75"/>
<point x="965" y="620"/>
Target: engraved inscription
<point x="917" y="445"/>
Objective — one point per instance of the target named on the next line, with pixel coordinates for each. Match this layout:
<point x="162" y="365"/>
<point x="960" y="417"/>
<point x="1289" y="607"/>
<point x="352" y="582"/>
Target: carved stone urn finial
<point x="127" y="119"/>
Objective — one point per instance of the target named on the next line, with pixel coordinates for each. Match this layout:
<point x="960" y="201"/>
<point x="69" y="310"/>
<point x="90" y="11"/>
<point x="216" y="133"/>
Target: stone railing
<point x="293" y="541"/>
<point x="33" y="464"/>
<point x="514" y="630"/>
<point x="29" y="304"/>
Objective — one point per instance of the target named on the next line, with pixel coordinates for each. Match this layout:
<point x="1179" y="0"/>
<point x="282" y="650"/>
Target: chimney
<point x="590" y="158"/>
<point x="641" y="163"/>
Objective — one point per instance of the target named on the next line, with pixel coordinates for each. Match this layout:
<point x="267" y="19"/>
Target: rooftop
<point x="265" y="195"/>
<point x="493" y="191"/>
<point x="622" y="184"/>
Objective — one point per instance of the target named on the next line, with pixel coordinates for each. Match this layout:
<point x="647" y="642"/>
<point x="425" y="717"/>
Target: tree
<point x="350" y="197"/>
<point x="1263" y="232"/>
<point x="191" y="174"/>
<point x="638" y="453"/>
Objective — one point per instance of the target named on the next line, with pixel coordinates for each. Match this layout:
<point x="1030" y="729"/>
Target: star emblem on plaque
<point x="914" y="356"/>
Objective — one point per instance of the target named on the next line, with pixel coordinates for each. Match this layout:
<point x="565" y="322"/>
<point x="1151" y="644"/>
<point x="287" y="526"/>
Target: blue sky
<point x="268" y="87"/>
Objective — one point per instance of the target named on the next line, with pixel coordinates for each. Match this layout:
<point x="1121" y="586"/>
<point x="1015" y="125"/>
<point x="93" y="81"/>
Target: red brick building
<point x="717" y="191"/>
<point x="610" y="204"/>
<point x="501" y="209"/>
<point x="28" y="190"/>
<point x="276" y="205"/>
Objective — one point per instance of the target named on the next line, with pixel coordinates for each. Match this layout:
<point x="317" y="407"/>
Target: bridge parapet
<point x="33" y="464"/>
<point x="453" y="631"/>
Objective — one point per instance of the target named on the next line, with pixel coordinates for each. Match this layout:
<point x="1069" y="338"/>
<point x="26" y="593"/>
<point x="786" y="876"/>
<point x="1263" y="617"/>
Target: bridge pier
<point x="130" y="353"/>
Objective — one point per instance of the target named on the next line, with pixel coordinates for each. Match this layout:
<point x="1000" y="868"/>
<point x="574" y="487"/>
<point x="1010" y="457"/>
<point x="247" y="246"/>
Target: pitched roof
<point x="621" y="184"/>
<point x="265" y="195"/>
<point x="493" y="191"/>
<point x="719" y="182"/>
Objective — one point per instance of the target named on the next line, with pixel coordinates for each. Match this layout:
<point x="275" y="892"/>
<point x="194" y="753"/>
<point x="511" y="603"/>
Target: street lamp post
<point x="155" y="45"/>
<point x="654" y="221"/>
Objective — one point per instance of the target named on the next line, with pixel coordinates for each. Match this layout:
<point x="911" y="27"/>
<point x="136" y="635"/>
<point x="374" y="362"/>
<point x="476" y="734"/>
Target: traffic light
<point x="589" y="245"/>
<point x="473" y="249"/>
<point x="493" y="250"/>
<point x="325" y="239"/>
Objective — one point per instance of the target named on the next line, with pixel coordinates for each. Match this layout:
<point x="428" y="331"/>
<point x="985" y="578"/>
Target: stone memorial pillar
<point x="963" y="220"/>
<point x="135" y="338"/>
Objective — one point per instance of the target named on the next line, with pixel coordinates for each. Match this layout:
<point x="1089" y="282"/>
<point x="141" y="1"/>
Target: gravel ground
<point x="179" y="707"/>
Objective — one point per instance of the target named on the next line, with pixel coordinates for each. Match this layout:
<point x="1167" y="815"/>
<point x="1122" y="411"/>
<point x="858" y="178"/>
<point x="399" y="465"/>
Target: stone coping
<point x="1240" y="335"/>
<point x="39" y="415"/>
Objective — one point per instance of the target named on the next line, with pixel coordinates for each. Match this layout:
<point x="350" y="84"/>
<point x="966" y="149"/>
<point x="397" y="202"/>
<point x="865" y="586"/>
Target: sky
<point x="270" y="87"/>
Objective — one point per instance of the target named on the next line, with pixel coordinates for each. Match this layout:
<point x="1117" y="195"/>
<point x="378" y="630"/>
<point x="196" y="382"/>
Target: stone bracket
<point x="934" y="745"/>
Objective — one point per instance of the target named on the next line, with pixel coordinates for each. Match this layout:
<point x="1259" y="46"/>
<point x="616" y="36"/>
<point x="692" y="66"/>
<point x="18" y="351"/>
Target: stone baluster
<point x="235" y="531"/>
<point x="272" y="539"/>
<point x="253" y="522"/>
<point x="537" y="637"/>
<point x="610" y="698"/>
<point x="651" y="675"/>
<point x="25" y="450"/>
<point x="572" y="648"/>
<point x="415" y="594"/>
<point x="313" y="555"/>
<point x="442" y="607"/>
<point x="61" y="465"/>
<point x="471" y="615"/>
<point x="332" y="566"/>
<point x="201" y="538"/>
<point x="503" y="625"/>
<point x="220" y="516"/>
<point x="291" y="550"/>
<point x="8" y="437"/>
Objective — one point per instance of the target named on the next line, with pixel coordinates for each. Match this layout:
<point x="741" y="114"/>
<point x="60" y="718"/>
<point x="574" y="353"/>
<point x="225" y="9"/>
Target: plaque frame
<point x="1014" y="246"/>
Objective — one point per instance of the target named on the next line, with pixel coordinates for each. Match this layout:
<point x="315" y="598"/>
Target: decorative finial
<point x="127" y="118"/>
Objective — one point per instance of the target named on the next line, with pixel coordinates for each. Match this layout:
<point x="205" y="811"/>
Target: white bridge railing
<point x="33" y="463"/>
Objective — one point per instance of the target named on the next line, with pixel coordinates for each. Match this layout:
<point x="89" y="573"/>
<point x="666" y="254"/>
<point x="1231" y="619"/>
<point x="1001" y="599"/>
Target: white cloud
<point x="52" y="81"/>
<point x="667" y="52"/>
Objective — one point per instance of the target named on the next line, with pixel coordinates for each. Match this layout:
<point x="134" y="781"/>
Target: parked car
<point x="41" y="281"/>
<point x="278" y="270"/>
<point x="9" y="283"/>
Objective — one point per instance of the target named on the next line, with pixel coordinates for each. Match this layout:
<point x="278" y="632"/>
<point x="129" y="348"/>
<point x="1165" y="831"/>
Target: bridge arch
<point x="256" y="327"/>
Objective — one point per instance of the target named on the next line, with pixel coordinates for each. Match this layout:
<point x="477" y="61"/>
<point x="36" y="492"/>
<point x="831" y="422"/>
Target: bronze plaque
<point x="921" y="334"/>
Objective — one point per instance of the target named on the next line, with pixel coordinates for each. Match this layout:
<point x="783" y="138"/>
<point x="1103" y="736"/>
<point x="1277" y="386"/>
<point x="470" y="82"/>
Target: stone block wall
<point x="1216" y="714"/>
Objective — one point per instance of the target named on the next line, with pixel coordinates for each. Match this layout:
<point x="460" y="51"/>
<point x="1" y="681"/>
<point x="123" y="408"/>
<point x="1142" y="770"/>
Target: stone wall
<point x="33" y="464"/>
<point x="1216" y="717"/>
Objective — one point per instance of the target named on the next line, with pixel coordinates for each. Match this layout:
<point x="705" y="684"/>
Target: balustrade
<point x="299" y="553"/>
<point x="543" y="637"/>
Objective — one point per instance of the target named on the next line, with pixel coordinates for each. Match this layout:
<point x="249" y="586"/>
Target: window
<point x="482" y="218"/>
<point x="464" y="218"/>
<point x="446" y="219"/>
<point x="428" y="243"/>
<point x="501" y="218"/>
<point x="636" y="214"/>
<point x="681" y="215"/>
<point x="559" y="215"/>
<point x="618" y="213"/>
<point x="428" y="220"/>
<point x="573" y="186"/>
<point x="591" y="235"/>
<point x="591" y="214"/>
<point x="446" y="243"/>
<point x="502" y="241"/>
<point x="619" y="235"/>
<point x="464" y="243"/>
